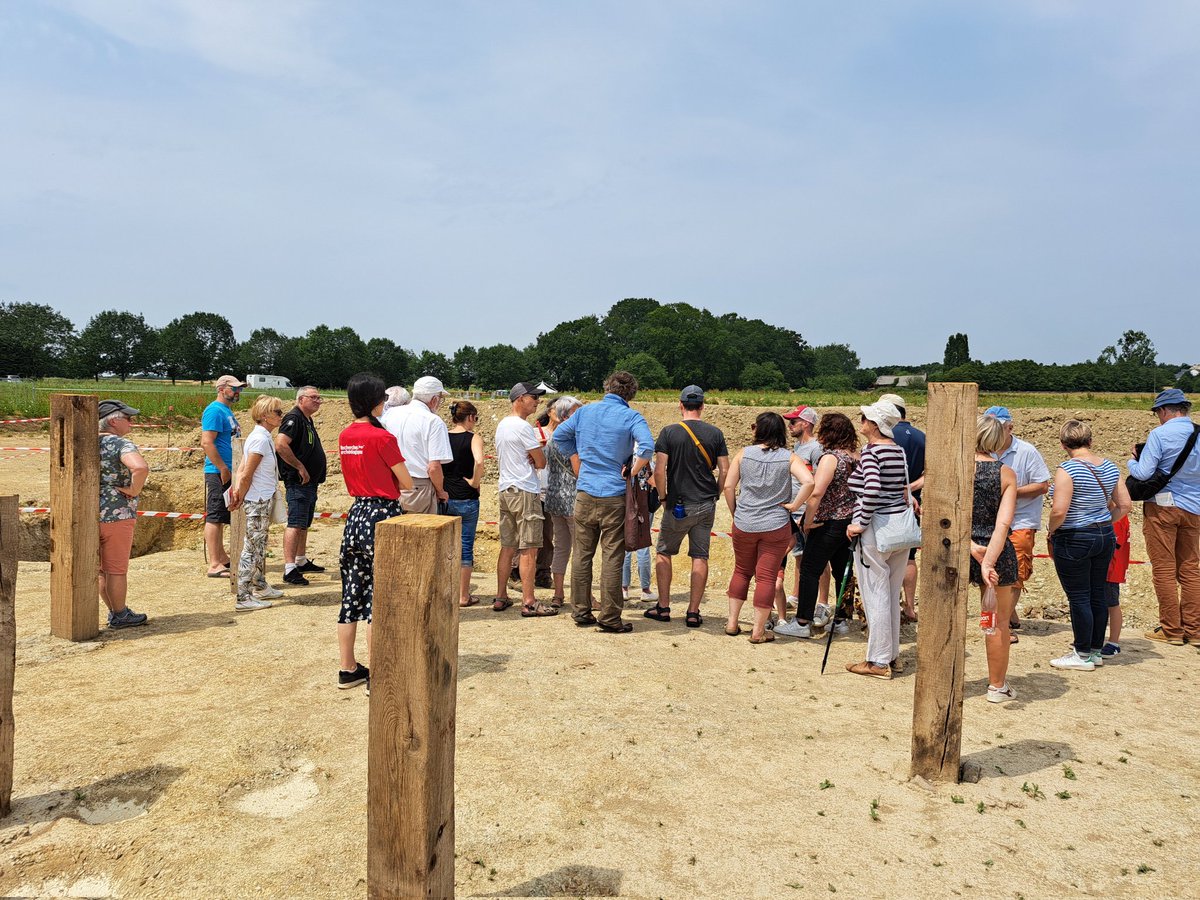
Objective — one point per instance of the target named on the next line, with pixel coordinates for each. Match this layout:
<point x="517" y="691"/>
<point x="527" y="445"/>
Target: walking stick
<point x="847" y="590"/>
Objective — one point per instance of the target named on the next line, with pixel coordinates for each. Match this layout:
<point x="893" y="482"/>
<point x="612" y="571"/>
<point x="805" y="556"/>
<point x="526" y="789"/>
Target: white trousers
<point x="880" y="581"/>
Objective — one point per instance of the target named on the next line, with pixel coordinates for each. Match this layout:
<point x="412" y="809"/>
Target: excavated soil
<point x="210" y="755"/>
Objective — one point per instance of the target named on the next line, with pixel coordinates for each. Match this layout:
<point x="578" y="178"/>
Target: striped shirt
<point x="1089" y="504"/>
<point x="879" y="482"/>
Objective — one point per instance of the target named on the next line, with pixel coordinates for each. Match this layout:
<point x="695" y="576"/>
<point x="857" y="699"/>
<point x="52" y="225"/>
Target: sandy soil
<point x="209" y="754"/>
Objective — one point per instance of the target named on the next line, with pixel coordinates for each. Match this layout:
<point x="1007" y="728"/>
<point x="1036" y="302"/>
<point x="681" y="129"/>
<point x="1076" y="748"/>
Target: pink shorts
<point x="116" y="540"/>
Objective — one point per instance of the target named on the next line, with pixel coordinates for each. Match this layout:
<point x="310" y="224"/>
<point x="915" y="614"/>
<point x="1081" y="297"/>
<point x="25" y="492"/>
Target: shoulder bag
<point x="637" y="515"/>
<point x="1146" y="488"/>
<point x="897" y="530"/>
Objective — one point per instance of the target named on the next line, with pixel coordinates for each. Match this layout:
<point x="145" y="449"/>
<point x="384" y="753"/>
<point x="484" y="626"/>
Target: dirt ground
<point x="210" y="755"/>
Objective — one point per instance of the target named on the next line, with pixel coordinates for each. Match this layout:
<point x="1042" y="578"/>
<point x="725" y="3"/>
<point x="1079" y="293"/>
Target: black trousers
<point x="826" y="545"/>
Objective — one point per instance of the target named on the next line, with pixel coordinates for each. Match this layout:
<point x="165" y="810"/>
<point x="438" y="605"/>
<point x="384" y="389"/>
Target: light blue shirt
<point x="604" y="435"/>
<point x="1023" y="458"/>
<point x="1164" y="444"/>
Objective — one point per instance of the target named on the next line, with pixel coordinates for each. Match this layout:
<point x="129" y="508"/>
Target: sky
<point x="443" y="174"/>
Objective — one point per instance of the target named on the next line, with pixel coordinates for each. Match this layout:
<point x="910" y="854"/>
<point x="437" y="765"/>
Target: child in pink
<point x="1112" y="588"/>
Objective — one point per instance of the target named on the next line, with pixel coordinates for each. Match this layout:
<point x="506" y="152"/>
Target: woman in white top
<point x="257" y="480"/>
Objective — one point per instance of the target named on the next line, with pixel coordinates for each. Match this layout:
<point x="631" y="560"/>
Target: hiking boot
<point x="1073" y="661"/>
<point x="792" y="628"/>
<point x="309" y="566"/>
<point x="267" y="593"/>
<point x="1159" y="636"/>
<point x="126" y="618"/>
<point x="243" y="605"/>
<point x="296" y="576"/>
<point x="360" y="675"/>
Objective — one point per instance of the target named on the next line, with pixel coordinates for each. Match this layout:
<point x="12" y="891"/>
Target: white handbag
<point x="897" y="530"/>
<point x="278" y="508"/>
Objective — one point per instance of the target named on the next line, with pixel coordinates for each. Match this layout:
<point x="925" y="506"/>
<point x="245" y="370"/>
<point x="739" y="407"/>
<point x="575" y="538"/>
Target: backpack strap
<point x="700" y="447"/>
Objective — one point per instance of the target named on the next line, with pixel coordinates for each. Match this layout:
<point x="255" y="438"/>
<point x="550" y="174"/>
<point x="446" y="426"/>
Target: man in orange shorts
<point x="1033" y="480"/>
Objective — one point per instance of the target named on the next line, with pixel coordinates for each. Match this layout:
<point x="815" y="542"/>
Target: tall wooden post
<point x="9" y="541"/>
<point x="414" y="672"/>
<point x="74" y="516"/>
<point x="946" y="504"/>
<point x="237" y="521"/>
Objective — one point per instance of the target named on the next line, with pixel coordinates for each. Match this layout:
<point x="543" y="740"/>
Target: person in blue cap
<point x="1171" y="520"/>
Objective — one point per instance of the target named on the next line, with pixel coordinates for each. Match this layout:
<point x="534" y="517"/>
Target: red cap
<point x="807" y="413"/>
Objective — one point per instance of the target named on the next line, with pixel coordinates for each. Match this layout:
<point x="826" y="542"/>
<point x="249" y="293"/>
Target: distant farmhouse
<point x="900" y="381"/>
<point x="1193" y="370"/>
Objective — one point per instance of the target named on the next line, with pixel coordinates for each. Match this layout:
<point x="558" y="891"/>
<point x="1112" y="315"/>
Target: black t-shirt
<point x="456" y="472"/>
<point x="689" y="477"/>
<point x="306" y="444"/>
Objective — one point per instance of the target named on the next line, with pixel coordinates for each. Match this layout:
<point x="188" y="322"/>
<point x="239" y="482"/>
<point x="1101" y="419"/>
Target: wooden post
<point x="414" y="672"/>
<point x="237" y="521"/>
<point x="74" y="516"/>
<point x="946" y="503"/>
<point x="9" y="541"/>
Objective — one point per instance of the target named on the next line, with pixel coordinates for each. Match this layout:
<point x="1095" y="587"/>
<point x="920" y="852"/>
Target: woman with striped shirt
<point x="880" y="484"/>
<point x="1087" y="496"/>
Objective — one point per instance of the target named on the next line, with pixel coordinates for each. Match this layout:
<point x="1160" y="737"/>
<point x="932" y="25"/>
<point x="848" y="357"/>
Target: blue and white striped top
<point x="1089" y="504"/>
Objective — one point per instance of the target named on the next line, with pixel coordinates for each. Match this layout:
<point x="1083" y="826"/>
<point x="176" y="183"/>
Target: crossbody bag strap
<point x="700" y="447"/>
<point x="1184" y="453"/>
<point x="1092" y="469"/>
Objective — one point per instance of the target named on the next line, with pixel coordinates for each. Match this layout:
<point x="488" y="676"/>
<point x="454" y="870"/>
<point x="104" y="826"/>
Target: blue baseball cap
<point x="1169" y="397"/>
<point x="998" y="412"/>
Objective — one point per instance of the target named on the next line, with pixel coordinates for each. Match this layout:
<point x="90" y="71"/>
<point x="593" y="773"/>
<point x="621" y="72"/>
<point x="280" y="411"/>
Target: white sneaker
<point x="624" y="593"/>
<point x="793" y="602"/>
<point x="1073" y="661"/>
<point x="821" y="615"/>
<point x="841" y="627"/>
<point x="792" y="628"/>
<point x="649" y="594"/>
<point x="267" y="593"/>
<point x="1001" y="695"/>
<point x="1096" y="659"/>
<point x="252" y="603"/>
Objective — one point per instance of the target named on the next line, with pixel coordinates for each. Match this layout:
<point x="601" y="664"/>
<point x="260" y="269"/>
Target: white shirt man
<point x="425" y="443"/>
<point x="519" y="456"/>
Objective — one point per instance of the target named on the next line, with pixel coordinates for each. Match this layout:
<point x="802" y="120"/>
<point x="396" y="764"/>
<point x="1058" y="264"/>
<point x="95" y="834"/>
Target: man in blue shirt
<point x="1171" y="521"/>
<point x="599" y="439"/>
<point x="912" y="442"/>
<point x="218" y="429"/>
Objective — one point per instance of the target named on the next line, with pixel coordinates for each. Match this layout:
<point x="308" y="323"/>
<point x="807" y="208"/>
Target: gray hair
<point x="396" y="396"/>
<point x="300" y="391"/>
<point x="107" y="420"/>
<point x="563" y="405"/>
<point x="425" y="396"/>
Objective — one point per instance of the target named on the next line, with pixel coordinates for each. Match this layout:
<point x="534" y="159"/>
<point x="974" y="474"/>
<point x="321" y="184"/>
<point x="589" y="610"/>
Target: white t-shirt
<point x="514" y="439"/>
<point x="262" y="484"/>
<point x="421" y="434"/>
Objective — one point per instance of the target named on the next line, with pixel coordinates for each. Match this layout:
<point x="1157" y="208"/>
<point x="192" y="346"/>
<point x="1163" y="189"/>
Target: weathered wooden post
<point x="414" y="672"/>
<point x="74" y="516"/>
<point x="9" y="541"/>
<point x="237" y="521"/>
<point x="946" y="504"/>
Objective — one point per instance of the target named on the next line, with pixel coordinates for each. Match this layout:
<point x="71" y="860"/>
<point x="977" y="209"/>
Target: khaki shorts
<point x="1022" y="541"/>
<point x="697" y="525"/>
<point x="520" y="519"/>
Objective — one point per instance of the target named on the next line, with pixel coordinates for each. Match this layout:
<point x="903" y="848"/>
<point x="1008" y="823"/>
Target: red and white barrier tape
<point x="23" y="421"/>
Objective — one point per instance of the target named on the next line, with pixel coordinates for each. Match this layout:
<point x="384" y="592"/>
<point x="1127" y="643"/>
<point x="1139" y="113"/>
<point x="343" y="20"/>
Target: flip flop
<point x="472" y="600"/>
<point x="223" y="573"/>
<point x="500" y="604"/>
<point x="767" y="637"/>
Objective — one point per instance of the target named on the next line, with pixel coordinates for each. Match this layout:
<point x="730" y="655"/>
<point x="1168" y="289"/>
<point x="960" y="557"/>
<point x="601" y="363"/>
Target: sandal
<point x="537" y="610"/>
<point x="1013" y="639"/>
<point x="693" y="620"/>
<point x="659" y="613"/>
<point x="585" y="621"/>
<point x="623" y="628"/>
<point x="766" y="638"/>
<point x="500" y="604"/>
<point x="737" y="629"/>
<point x="558" y="602"/>
<point x="472" y="600"/>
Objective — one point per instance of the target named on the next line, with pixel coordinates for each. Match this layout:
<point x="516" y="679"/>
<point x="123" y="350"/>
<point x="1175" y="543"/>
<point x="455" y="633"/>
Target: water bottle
<point x="678" y="511"/>
<point x="987" y="610"/>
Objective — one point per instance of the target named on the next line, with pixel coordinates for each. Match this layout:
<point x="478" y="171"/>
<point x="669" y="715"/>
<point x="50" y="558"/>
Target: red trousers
<point x="758" y="554"/>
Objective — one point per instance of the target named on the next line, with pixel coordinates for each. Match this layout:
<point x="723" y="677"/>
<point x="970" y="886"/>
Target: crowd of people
<point x="834" y="502"/>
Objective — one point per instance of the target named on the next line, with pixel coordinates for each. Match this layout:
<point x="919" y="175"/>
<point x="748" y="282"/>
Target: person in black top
<point x="461" y="477"/>
<point x="301" y="468"/>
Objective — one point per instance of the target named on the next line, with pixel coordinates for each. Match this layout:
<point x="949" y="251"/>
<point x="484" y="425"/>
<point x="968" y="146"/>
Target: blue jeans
<point x="468" y="511"/>
<point x="1081" y="558"/>
<point x="643" y="563"/>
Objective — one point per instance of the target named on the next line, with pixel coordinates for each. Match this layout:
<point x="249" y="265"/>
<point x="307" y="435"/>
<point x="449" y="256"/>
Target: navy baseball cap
<point x="692" y="394"/>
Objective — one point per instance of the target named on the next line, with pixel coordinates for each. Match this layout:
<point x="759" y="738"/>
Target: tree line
<point x="663" y="344"/>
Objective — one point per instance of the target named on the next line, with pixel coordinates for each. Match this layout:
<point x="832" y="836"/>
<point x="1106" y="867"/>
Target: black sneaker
<point x="309" y="566"/>
<point x="355" y="678"/>
<point x="295" y="577"/>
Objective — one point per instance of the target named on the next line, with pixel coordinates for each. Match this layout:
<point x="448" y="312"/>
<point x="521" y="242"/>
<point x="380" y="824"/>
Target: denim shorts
<point x="468" y="511"/>
<point x="301" y="504"/>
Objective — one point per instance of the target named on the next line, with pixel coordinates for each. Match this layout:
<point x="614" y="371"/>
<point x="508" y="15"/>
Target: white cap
<point x="428" y="386"/>
<point x="884" y="415"/>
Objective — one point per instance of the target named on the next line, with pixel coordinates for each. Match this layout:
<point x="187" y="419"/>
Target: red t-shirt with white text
<point x="368" y="454"/>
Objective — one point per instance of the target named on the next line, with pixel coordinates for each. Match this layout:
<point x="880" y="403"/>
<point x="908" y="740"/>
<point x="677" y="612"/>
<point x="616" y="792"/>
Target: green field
<point x="156" y="399"/>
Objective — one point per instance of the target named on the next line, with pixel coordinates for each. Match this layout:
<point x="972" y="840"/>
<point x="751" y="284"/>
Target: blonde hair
<point x="1075" y="434"/>
<point x="263" y="405"/>
<point x="990" y="436"/>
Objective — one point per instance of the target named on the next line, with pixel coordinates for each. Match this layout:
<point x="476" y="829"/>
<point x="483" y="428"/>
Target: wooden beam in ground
<point x="74" y="516"/>
<point x="414" y="671"/>
<point x="237" y="521"/>
<point x="9" y="541"/>
<point x="946" y="504"/>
